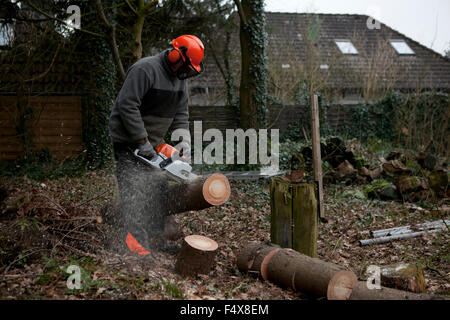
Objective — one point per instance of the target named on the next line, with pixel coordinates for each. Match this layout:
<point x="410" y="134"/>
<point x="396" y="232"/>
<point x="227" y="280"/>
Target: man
<point x="153" y="100"/>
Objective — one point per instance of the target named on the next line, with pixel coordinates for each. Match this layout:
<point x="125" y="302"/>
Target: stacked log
<point x="416" y="177"/>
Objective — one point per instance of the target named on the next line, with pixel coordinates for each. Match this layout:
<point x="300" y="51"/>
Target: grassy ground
<point x="48" y="225"/>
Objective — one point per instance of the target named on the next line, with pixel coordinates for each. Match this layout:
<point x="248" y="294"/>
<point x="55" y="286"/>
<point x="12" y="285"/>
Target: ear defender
<point x="174" y="56"/>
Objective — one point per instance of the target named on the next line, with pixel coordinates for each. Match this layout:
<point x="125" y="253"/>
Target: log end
<point x="216" y="189"/>
<point x="341" y="285"/>
<point x="196" y="256"/>
<point x="201" y="243"/>
<point x="266" y="261"/>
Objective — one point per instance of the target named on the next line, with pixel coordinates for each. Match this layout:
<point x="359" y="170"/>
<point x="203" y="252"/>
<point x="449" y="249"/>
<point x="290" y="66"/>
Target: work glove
<point x="146" y="150"/>
<point x="185" y="151"/>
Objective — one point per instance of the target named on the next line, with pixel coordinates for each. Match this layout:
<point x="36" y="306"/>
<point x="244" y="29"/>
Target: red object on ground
<point x="134" y="246"/>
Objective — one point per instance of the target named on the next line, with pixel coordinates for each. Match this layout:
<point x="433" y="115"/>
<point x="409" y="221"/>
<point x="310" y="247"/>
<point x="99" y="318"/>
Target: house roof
<point x="288" y="35"/>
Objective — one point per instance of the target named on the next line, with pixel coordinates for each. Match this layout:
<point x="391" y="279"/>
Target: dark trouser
<point x="142" y="196"/>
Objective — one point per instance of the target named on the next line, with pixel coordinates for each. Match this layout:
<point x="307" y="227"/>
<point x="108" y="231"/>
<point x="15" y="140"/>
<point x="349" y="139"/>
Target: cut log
<point x="361" y="292"/>
<point x="251" y="257"/>
<point x="376" y="173"/>
<point x="364" y="172"/>
<point x="426" y="161"/>
<point x="202" y="193"/>
<point x="196" y="256"/>
<point x="404" y="276"/>
<point x="395" y="167"/>
<point x="291" y="269"/>
<point x="345" y="169"/>
<point x="438" y="181"/>
<point x="395" y="155"/>
<point x="341" y="285"/>
<point x="178" y="197"/>
<point x="346" y="172"/>
<point x="406" y="184"/>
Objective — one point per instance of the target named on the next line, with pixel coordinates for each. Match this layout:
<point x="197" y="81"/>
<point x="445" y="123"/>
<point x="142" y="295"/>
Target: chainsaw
<point x="164" y="160"/>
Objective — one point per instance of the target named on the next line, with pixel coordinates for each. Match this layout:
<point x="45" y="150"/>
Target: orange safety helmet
<point x="191" y="50"/>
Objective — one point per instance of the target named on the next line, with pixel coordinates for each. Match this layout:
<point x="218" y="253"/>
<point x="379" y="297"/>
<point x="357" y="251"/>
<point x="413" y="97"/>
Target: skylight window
<point x="346" y="47"/>
<point x="401" y="47"/>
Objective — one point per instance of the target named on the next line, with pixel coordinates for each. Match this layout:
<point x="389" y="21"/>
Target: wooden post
<point x="305" y="221"/>
<point x="317" y="160"/>
<point x="281" y="212"/>
<point x="294" y="215"/>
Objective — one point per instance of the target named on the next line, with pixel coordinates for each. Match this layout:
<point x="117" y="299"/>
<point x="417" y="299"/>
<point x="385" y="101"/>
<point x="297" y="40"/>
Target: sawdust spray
<point x="143" y="195"/>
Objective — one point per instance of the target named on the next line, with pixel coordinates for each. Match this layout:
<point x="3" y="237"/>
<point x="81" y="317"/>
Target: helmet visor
<point x="187" y="70"/>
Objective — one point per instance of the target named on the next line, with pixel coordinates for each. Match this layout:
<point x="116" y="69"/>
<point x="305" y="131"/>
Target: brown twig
<point x="20" y="258"/>
<point x="61" y="209"/>
<point x="20" y="277"/>
<point x="91" y="199"/>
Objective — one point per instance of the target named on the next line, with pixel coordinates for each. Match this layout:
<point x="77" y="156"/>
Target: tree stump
<point x="196" y="256"/>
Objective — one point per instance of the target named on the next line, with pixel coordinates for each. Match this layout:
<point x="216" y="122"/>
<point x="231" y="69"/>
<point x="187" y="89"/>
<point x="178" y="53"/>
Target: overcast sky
<point x="426" y="21"/>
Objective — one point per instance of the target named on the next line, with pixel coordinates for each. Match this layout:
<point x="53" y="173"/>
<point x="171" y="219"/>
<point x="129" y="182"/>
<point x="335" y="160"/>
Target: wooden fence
<point x="56" y="123"/>
<point x="279" y="117"/>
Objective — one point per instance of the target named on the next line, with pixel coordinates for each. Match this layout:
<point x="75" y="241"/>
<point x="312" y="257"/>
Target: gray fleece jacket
<point x="151" y="102"/>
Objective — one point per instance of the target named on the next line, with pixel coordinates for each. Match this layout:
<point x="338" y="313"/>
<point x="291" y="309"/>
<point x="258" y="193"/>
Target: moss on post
<point x="294" y="221"/>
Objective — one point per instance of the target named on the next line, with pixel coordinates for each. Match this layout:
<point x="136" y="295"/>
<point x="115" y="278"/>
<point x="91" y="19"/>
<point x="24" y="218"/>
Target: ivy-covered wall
<point x="409" y="120"/>
<point x="406" y="120"/>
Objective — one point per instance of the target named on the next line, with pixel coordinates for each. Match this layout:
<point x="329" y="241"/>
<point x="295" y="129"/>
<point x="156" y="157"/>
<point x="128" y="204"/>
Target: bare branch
<point x="62" y="21"/>
<point x="240" y="11"/>
<point x="150" y="5"/>
<point x="48" y="69"/>
<point x="132" y="7"/>
<point x="111" y="38"/>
